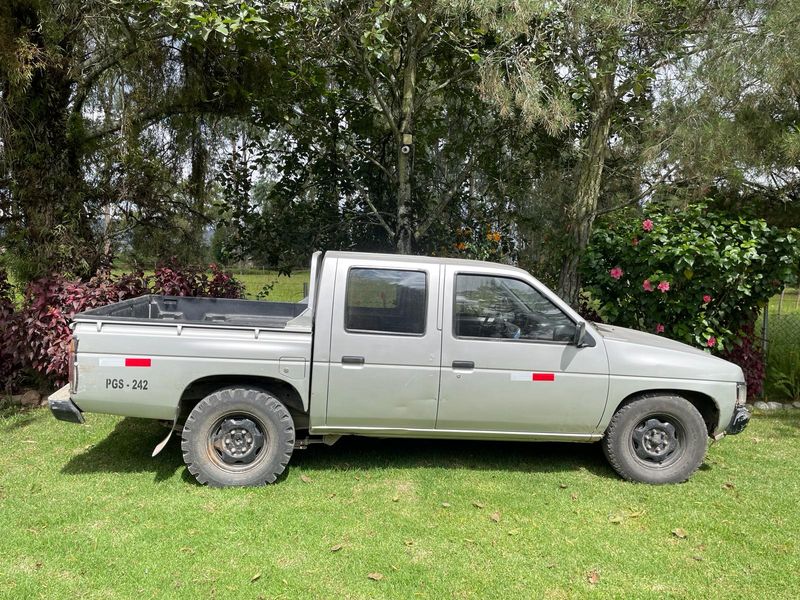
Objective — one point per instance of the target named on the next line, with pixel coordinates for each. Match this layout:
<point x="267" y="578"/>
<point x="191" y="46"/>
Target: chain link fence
<point x="780" y="340"/>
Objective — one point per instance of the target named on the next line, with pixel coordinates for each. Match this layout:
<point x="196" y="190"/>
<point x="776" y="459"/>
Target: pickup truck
<point x="398" y="346"/>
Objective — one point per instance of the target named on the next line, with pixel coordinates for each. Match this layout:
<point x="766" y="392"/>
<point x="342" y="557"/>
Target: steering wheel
<point x="500" y="328"/>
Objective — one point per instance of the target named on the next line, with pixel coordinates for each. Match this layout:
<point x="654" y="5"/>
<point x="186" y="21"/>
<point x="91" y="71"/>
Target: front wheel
<point x="656" y="439"/>
<point x="238" y="437"/>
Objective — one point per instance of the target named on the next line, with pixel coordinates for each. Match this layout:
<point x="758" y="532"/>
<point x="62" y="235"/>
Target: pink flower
<point x="706" y="299"/>
<point x="648" y="287"/>
<point x="712" y="341"/>
<point x="659" y="328"/>
<point x="663" y="286"/>
<point x="647" y="225"/>
<point x="616" y="272"/>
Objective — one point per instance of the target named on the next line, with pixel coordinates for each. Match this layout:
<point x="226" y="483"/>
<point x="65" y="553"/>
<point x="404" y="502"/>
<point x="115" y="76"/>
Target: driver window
<point x="500" y="307"/>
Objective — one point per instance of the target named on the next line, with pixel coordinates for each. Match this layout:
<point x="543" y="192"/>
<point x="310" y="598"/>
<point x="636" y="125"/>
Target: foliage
<point x="483" y="242"/>
<point x="783" y="359"/>
<point x="36" y="337"/>
<point x="748" y="354"/>
<point x="788" y="382"/>
<point x="174" y="279"/>
<point x="8" y="360"/>
<point x="696" y="275"/>
<point x="39" y="332"/>
<point x="732" y="115"/>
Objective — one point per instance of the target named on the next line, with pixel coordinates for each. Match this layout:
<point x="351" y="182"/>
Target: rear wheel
<point x="656" y="439"/>
<point x="238" y="437"/>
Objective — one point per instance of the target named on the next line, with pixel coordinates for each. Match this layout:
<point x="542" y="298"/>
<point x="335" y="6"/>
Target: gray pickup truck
<point x="398" y="346"/>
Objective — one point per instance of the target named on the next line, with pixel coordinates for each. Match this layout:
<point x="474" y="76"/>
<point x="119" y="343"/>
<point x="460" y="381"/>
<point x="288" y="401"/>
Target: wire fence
<point x="780" y="340"/>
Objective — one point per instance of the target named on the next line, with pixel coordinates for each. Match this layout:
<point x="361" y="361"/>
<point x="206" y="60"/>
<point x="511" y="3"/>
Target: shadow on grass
<point x="362" y="453"/>
<point x="127" y="450"/>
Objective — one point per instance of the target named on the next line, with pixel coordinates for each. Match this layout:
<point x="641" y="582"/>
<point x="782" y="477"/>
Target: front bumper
<point x="740" y="419"/>
<point x="63" y="408"/>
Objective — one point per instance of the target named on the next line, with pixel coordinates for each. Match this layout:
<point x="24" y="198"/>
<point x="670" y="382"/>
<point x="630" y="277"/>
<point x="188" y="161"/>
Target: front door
<point x="509" y="363"/>
<point x="385" y="346"/>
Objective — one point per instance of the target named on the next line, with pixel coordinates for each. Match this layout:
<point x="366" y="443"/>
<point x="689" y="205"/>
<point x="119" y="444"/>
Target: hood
<point x="639" y="354"/>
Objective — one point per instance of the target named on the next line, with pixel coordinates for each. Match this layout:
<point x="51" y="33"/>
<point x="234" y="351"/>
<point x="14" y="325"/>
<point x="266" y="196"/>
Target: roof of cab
<point x="437" y="260"/>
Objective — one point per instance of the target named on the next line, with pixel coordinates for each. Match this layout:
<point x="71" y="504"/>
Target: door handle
<point x="463" y="364"/>
<point x="352" y="360"/>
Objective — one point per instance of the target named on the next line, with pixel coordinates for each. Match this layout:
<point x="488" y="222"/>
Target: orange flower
<point x="461" y="246"/>
<point x="493" y="236"/>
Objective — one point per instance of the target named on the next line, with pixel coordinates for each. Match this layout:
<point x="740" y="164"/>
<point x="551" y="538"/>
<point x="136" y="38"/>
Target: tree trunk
<point x="405" y="143"/>
<point x="581" y="213"/>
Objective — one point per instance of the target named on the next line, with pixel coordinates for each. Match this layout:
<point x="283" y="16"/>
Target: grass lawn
<point x="790" y="304"/>
<point x="86" y="513"/>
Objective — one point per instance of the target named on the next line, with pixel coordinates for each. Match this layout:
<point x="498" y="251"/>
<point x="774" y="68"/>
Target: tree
<point x="734" y="117"/>
<point x="580" y="70"/>
<point x="389" y="68"/>
<point x="103" y="107"/>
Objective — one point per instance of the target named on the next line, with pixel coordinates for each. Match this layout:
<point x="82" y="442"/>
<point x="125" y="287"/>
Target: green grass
<point x="791" y="302"/>
<point x="86" y="513"/>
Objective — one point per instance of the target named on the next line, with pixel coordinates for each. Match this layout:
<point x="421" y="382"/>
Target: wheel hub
<point x="655" y="440"/>
<point x="237" y="440"/>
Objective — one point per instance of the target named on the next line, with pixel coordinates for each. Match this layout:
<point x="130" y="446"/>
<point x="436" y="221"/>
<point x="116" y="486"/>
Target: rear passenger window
<point x="386" y="300"/>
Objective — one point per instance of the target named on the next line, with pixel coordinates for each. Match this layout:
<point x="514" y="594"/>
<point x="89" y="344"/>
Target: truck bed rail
<point x="207" y="311"/>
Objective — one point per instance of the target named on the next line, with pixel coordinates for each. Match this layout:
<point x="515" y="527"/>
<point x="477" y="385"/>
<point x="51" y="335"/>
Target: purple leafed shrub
<point x="171" y="279"/>
<point x="36" y="337"/>
<point x="747" y="353"/>
<point x="8" y="364"/>
<point x="223" y="285"/>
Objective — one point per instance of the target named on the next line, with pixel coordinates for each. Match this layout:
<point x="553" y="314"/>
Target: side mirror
<point x="580" y="333"/>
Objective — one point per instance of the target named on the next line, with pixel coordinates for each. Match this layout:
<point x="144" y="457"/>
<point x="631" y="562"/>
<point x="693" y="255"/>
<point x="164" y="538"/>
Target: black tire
<point x="238" y="437"/>
<point x="656" y="439"/>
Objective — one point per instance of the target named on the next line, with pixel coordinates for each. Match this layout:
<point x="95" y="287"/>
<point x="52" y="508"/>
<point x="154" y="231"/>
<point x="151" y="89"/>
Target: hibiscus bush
<point x="695" y="275"/>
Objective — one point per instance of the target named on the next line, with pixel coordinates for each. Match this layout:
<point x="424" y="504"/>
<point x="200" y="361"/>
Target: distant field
<point x="271" y="285"/>
<point x="283" y="288"/>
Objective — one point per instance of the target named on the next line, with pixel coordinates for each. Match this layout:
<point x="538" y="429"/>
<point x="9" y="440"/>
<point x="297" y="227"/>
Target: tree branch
<point x="424" y="96"/>
<point x="640" y="196"/>
<point x="444" y="200"/>
<point x="387" y="112"/>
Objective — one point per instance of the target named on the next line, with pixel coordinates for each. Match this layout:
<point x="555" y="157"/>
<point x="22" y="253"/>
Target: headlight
<point x="741" y="394"/>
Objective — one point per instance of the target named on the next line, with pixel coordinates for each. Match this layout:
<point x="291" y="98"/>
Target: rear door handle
<point x="352" y="360"/>
<point x="463" y="364"/>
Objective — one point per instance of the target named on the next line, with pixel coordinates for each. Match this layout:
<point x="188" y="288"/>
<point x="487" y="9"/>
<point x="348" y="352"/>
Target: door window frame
<point x="379" y="332"/>
<point x="453" y="312"/>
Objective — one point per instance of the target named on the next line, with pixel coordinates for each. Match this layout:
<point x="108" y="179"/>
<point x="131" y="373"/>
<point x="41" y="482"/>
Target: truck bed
<point x="208" y="311"/>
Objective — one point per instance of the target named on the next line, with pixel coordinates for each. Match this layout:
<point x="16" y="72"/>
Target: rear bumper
<point x="740" y="419"/>
<point x="63" y="408"/>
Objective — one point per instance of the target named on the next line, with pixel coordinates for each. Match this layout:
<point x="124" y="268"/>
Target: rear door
<point x="385" y="345"/>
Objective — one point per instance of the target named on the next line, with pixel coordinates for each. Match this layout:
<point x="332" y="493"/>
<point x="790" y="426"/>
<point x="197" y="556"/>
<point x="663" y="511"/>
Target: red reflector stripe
<point x="543" y="377"/>
<point x="137" y="362"/>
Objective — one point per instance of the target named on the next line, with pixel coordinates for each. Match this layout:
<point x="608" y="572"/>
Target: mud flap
<point x="164" y="442"/>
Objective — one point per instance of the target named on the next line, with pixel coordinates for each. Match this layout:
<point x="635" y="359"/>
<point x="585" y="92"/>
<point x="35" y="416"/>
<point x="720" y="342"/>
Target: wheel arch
<point x="705" y="404"/>
<point x="284" y="391"/>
